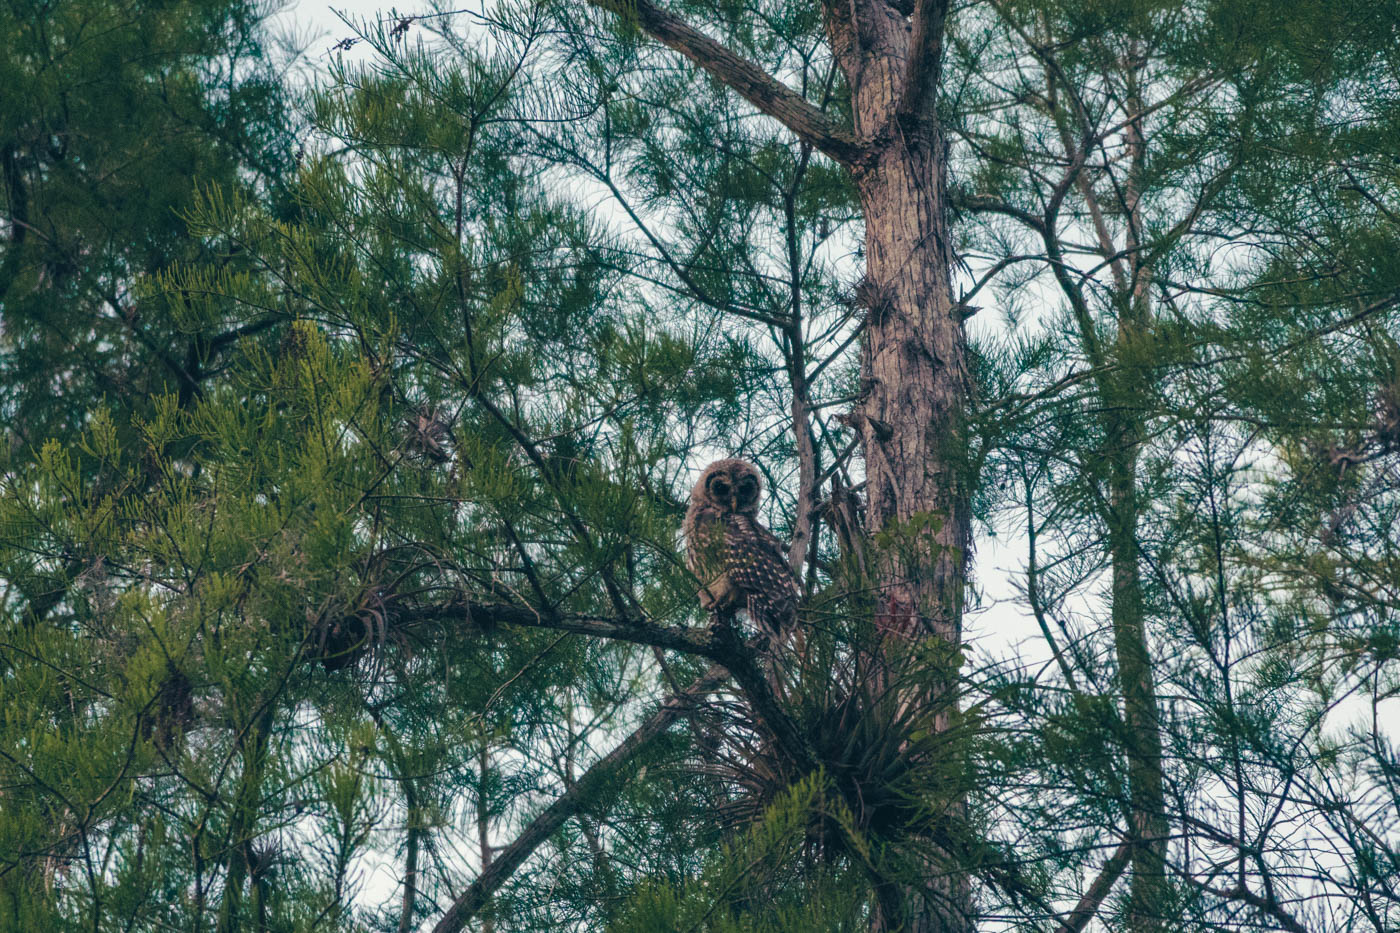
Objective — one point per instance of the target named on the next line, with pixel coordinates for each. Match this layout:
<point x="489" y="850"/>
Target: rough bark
<point x="913" y="365"/>
<point x="915" y="380"/>
<point x="916" y="385"/>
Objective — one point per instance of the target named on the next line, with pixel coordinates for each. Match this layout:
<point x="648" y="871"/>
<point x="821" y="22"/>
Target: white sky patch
<point x="320" y="24"/>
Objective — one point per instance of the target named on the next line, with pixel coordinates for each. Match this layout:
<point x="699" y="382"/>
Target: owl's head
<point x="731" y="486"/>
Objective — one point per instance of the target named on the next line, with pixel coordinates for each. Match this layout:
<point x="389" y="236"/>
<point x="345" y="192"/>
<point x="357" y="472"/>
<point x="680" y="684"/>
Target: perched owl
<point x="740" y="563"/>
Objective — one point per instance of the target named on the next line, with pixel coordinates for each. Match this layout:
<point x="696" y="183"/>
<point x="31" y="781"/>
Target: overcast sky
<point x="320" y="14"/>
<point x="315" y="21"/>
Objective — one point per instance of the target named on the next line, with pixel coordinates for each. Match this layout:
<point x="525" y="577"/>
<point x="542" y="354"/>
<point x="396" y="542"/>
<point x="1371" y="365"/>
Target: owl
<point x="740" y="563"/>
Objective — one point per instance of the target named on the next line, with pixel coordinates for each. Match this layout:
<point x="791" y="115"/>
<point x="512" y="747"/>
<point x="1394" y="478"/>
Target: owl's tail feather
<point x="775" y="620"/>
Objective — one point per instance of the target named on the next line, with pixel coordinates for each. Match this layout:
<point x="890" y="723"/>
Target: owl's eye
<point x="719" y="487"/>
<point x="748" y="487"/>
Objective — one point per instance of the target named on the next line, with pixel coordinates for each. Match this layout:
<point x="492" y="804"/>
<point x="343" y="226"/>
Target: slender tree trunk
<point x="241" y="824"/>
<point x="409" y="900"/>
<point x="1125" y="430"/>
<point x="1148" y="823"/>
<point x="1122" y="391"/>
<point x="483" y="825"/>
<point x="413" y="821"/>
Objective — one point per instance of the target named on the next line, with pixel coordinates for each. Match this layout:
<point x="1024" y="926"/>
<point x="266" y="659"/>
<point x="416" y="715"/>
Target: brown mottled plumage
<point x="740" y="563"/>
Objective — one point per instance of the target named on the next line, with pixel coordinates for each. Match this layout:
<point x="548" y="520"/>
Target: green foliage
<point x="1192" y="417"/>
<point x="330" y="478"/>
<point x="116" y="114"/>
<point x="746" y="887"/>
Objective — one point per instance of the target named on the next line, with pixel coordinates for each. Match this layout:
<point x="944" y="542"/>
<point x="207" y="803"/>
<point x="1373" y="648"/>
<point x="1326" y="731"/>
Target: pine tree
<point x="115" y="116"/>
<point x="1110" y="155"/>
<point x="367" y="613"/>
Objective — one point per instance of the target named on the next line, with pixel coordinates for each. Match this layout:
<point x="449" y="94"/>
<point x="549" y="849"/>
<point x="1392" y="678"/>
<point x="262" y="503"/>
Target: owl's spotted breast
<point x="755" y="566"/>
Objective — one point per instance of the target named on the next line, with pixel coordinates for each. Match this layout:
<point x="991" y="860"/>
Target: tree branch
<point x="605" y="772"/>
<point x="1089" y="904"/>
<point x="924" y="64"/>
<point x="751" y="82"/>
<point x="721" y="643"/>
<point x="672" y="637"/>
<point x="1265" y="905"/>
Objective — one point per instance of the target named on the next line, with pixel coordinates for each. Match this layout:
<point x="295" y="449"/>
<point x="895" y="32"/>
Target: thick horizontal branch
<point x="751" y="82"/>
<point x="484" y="615"/>
<point x="604" y="773"/>
<point x="721" y="643"/>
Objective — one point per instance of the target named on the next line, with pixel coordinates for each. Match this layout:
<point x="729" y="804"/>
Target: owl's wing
<point x="705" y="548"/>
<point x="754" y="562"/>
<point x="698" y="541"/>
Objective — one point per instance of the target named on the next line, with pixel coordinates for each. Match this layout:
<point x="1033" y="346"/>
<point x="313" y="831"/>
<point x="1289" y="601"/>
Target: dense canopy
<point x="353" y="396"/>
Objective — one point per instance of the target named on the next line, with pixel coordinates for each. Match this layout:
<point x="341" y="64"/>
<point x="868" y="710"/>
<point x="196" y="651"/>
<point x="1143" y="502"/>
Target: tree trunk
<point x="1144" y="742"/>
<point x="911" y="416"/>
<point x="483" y="825"/>
<point x="1125" y="431"/>
<point x="1122" y="396"/>
<point x="911" y="423"/>
<point x="915" y="382"/>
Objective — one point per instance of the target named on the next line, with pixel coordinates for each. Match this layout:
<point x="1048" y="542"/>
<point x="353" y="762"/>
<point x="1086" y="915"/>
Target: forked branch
<point x="924" y="64"/>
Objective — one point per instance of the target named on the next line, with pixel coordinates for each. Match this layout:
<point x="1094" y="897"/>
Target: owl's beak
<point x="733" y="503"/>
